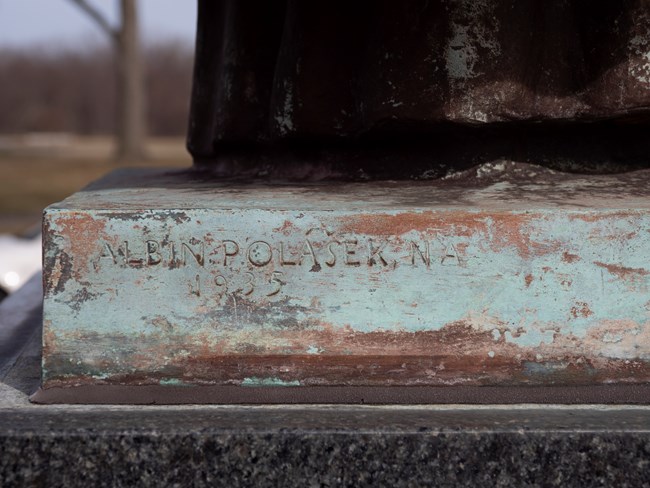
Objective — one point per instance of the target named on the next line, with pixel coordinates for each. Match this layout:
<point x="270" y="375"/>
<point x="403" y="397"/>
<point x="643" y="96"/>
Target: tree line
<point x="75" y="90"/>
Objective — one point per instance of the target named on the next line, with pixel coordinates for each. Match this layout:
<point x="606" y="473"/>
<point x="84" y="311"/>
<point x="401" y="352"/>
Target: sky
<point x="25" y="23"/>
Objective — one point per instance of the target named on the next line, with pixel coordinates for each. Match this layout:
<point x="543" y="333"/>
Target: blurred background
<point x="86" y="86"/>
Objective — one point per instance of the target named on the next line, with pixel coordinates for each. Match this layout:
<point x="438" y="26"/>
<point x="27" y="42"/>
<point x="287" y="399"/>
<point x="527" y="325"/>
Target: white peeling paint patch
<point x="314" y="350"/>
<point x="474" y="27"/>
<point x="489" y="169"/>
<point x="285" y="118"/>
<point x="393" y="103"/>
<point x="172" y="382"/>
<point x="460" y="55"/>
<point x="640" y="48"/>
<point x="254" y="381"/>
<point x="612" y="338"/>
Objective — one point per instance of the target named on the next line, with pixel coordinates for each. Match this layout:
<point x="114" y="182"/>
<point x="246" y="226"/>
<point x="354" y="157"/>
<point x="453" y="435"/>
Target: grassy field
<point x="38" y="170"/>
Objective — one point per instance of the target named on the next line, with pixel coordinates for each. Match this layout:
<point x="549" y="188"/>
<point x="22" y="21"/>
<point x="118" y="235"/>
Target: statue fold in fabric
<point x="269" y="71"/>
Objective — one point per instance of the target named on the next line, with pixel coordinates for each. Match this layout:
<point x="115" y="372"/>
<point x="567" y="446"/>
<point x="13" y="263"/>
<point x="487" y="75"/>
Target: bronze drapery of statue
<point x="386" y="88"/>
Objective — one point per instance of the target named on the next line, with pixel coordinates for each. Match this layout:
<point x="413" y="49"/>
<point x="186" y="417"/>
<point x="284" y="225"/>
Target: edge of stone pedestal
<point x="482" y="395"/>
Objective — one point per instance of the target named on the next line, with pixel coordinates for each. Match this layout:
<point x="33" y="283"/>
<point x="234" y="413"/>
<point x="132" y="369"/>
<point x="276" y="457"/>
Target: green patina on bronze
<point x="156" y="279"/>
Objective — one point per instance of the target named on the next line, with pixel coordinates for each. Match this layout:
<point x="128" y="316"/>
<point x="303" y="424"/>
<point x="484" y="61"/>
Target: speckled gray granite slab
<point x="523" y="445"/>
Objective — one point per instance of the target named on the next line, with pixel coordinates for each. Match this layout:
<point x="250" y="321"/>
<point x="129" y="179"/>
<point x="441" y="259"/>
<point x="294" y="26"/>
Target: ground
<point x="37" y="170"/>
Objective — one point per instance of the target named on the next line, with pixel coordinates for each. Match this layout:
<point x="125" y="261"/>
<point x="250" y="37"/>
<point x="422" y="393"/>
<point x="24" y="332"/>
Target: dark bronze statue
<point x="409" y="88"/>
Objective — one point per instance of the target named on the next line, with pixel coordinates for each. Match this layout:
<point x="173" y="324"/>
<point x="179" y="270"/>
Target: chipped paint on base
<point x="349" y="293"/>
<point x="268" y="382"/>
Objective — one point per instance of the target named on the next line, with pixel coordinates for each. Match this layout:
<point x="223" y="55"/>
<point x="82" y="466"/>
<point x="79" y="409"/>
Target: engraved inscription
<point x="153" y="256"/>
<point x="276" y="280"/>
<point x="246" y="267"/>
<point x="230" y="250"/>
<point x="260" y="253"/>
<point x="350" y="251"/>
<point x="238" y="285"/>
<point x="222" y="284"/>
<point x="423" y="255"/>
<point x="190" y="248"/>
<point x="107" y="253"/>
<point x="248" y="287"/>
<point x="376" y="255"/>
<point x="283" y="260"/>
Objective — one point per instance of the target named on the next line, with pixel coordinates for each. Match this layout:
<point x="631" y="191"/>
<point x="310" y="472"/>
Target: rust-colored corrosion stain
<point x="528" y="279"/>
<point x="49" y="338"/>
<point x="620" y="335"/>
<point x="387" y="225"/>
<point x="378" y="370"/>
<point x="59" y="270"/>
<point x="456" y="354"/>
<point x="600" y="216"/>
<point x="458" y="338"/>
<point x="507" y="229"/>
<point x="623" y="272"/>
<point x="287" y="228"/>
<point x="567" y="257"/>
<point x="581" y="309"/>
<point x="82" y="232"/>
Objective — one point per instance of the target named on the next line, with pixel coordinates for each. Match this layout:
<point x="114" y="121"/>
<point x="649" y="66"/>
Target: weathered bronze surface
<point x="403" y="89"/>
<point x="509" y="275"/>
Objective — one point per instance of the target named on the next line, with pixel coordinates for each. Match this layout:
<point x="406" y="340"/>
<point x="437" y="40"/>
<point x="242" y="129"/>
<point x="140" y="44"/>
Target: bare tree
<point x="131" y="127"/>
